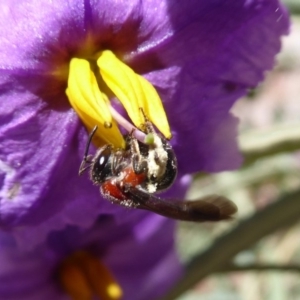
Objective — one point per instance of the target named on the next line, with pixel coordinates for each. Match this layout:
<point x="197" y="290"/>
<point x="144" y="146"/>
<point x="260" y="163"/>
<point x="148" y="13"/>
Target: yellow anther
<point x="83" y="276"/>
<point x="134" y="92"/>
<point x="74" y="282"/>
<point x="149" y="139"/>
<point x="114" y="291"/>
<point x="90" y="104"/>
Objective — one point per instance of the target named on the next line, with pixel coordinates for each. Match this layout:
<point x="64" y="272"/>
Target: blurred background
<point x="256" y="256"/>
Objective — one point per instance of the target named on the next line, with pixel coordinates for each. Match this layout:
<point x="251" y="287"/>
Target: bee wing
<point x="209" y="208"/>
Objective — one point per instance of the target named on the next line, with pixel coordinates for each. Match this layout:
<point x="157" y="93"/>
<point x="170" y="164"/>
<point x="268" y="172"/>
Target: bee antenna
<point x="143" y="113"/>
<point x="149" y="127"/>
<point x="85" y="159"/>
<point x="87" y="147"/>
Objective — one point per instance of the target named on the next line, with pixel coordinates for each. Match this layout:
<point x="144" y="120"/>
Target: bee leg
<point x="139" y="163"/>
<point x="118" y="163"/>
<point x="148" y="127"/>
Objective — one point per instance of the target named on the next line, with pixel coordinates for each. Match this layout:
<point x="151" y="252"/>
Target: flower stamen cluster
<point x="84" y="276"/>
<point x="90" y="87"/>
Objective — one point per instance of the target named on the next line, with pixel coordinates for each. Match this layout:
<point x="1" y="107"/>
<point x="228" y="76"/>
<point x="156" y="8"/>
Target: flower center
<point x="83" y="276"/>
<point x="92" y="83"/>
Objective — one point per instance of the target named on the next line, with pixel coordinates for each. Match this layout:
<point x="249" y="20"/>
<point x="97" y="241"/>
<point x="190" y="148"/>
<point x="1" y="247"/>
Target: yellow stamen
<point x="90" y="104"/>
<point x="84" y="276"/>
<point x="114" y="291"/>
<point x="133" y="91"/>
<point x="74" y="282"/>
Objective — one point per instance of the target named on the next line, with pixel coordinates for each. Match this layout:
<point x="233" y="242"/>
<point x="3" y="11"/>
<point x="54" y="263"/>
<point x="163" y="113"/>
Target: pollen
<point x="84" y="277"/>
<point x="91" y="85"/>
<point x="114" y="291"/>
<point x="149" y="139"/>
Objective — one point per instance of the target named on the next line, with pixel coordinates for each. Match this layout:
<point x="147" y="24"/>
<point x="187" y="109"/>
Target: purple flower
<point x="200" y="55"/>
<point x="144" y="272"/>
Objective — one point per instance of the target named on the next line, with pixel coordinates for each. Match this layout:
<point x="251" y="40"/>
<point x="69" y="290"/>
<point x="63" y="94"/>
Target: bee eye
<point x="102" y="164"/>
<point x="103" y="160"/>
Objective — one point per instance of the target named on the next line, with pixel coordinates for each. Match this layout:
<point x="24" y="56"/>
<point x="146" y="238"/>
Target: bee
<point x="132" y="176"/>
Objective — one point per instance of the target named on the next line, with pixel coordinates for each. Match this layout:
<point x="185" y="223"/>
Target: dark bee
<point x="131" y="176"/>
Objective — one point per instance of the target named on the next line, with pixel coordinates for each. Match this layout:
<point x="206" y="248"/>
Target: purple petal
<point x="212" y="53"/>
<point x="50" y="33"/>
<point x="201" y="56"/>
<point x="150" y="257"/>
<point x="154" y="256"/>
<point x="26" y="276"/>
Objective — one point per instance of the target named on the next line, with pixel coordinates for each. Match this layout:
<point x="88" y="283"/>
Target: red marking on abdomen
<point x="132" y="178"/>
<point x="111" y="188"/>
